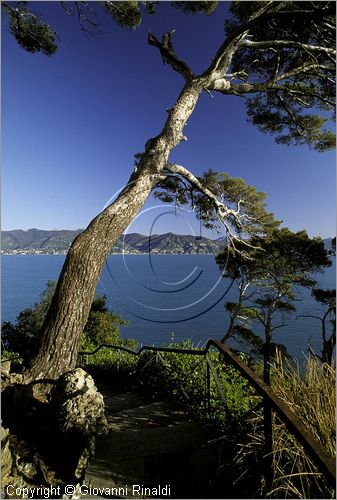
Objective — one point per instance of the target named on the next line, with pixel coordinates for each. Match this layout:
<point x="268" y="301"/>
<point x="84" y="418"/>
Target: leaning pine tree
<point x="279" y="56"/>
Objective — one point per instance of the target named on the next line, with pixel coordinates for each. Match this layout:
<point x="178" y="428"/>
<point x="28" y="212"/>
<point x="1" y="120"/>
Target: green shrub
<point x="23" y="336"/>
<point x="102" y="327"/>
<point x="109" y="362"/>
<point x="184" y="378"/>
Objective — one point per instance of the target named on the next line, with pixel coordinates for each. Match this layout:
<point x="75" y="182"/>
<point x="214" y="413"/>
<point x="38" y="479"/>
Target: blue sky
<point x="72" y="123"/>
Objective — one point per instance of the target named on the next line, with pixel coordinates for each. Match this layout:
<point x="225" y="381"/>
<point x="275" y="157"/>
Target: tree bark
<point x="230" y="328"/>
<point x="267" y="347"/>
<point x="328" y="349"/>
<point x="72" y="300"/>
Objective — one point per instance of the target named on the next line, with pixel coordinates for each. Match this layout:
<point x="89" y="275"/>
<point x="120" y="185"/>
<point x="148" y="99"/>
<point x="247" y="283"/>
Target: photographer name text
<point x="134" y="490"/>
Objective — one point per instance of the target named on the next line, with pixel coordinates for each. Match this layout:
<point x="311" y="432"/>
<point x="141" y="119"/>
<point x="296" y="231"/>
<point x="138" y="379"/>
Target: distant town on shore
<point x="57" y="242"/>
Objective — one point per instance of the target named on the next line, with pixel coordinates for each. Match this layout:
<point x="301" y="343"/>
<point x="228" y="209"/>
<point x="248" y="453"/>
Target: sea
<point x="164" y="298"/>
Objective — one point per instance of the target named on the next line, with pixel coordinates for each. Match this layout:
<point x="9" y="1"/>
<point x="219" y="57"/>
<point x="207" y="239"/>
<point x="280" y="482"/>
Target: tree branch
<point x="292" y="115"/>
<point x="305" y="68"/>
<point x="168" y="55"/>
<point x="81" y="16"/>
<point x="322" y="320"/>
<point x="222" y="58"/>
<point x="237" y="39"/>
<point x="221" y="208"/>
<point x="216" y="73"/>
<point x="308" y="316"/>
<point x="226" y="87"/>
<point x="295" y="93"/>
<point x="278" y="326"/>
<point x="268" y="44"/>
<point x="228" y="217"/>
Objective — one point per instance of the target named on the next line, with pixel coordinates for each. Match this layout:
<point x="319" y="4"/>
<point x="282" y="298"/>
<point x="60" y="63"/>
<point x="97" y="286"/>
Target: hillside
<point x="37" y="241"/>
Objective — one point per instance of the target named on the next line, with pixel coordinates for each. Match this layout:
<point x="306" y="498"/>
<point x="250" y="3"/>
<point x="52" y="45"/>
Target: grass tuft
<point x="311" y="395"/>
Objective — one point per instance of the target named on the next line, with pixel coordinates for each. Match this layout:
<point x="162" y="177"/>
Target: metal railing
<point x="271" y="402"/>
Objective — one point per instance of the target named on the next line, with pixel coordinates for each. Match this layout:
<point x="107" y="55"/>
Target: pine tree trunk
<point x="71" y="303"/>
<point x="267" y="346"/>
<point x="328" y="349"/>
<point x="230" y="329"/>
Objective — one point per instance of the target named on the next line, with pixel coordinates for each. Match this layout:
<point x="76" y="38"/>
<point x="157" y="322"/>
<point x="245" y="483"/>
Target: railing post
<point x="208" y="387"/>
<point x="268" y="437"/>
<point x="118" y="359"/>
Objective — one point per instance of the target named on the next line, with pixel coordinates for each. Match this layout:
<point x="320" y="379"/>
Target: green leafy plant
<point x="23" y="336"/>
<point x="183" y="377"/>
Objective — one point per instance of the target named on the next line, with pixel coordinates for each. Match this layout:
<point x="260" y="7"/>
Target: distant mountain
<point x="327" y="243"/>
<point x="171" y="243"/>
<point x="39" y="241"/>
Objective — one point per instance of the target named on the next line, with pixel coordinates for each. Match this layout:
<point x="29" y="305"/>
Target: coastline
<point x="113" y="253"/>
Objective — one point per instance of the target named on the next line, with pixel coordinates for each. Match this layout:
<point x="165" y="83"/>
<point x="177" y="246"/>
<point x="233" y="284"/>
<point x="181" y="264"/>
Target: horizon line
<point x="142" y="234"/>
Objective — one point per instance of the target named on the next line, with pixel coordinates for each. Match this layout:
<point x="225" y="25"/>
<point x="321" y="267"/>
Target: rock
<point x="78" y="404"/>
<point x="22" y="468"/>
<point x="50" y="443"/>
<point x="8" y="378"/>
<point x="6" y="456"/>
<point x="80" y="413"/>
<point x="6" y="367"/>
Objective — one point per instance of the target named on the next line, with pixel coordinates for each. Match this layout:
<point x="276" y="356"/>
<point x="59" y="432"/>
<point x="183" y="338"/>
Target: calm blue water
<point x="184" y="294"/>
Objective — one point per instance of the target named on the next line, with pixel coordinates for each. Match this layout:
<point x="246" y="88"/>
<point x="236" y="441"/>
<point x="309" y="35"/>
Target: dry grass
<point x="311" y="395"/>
